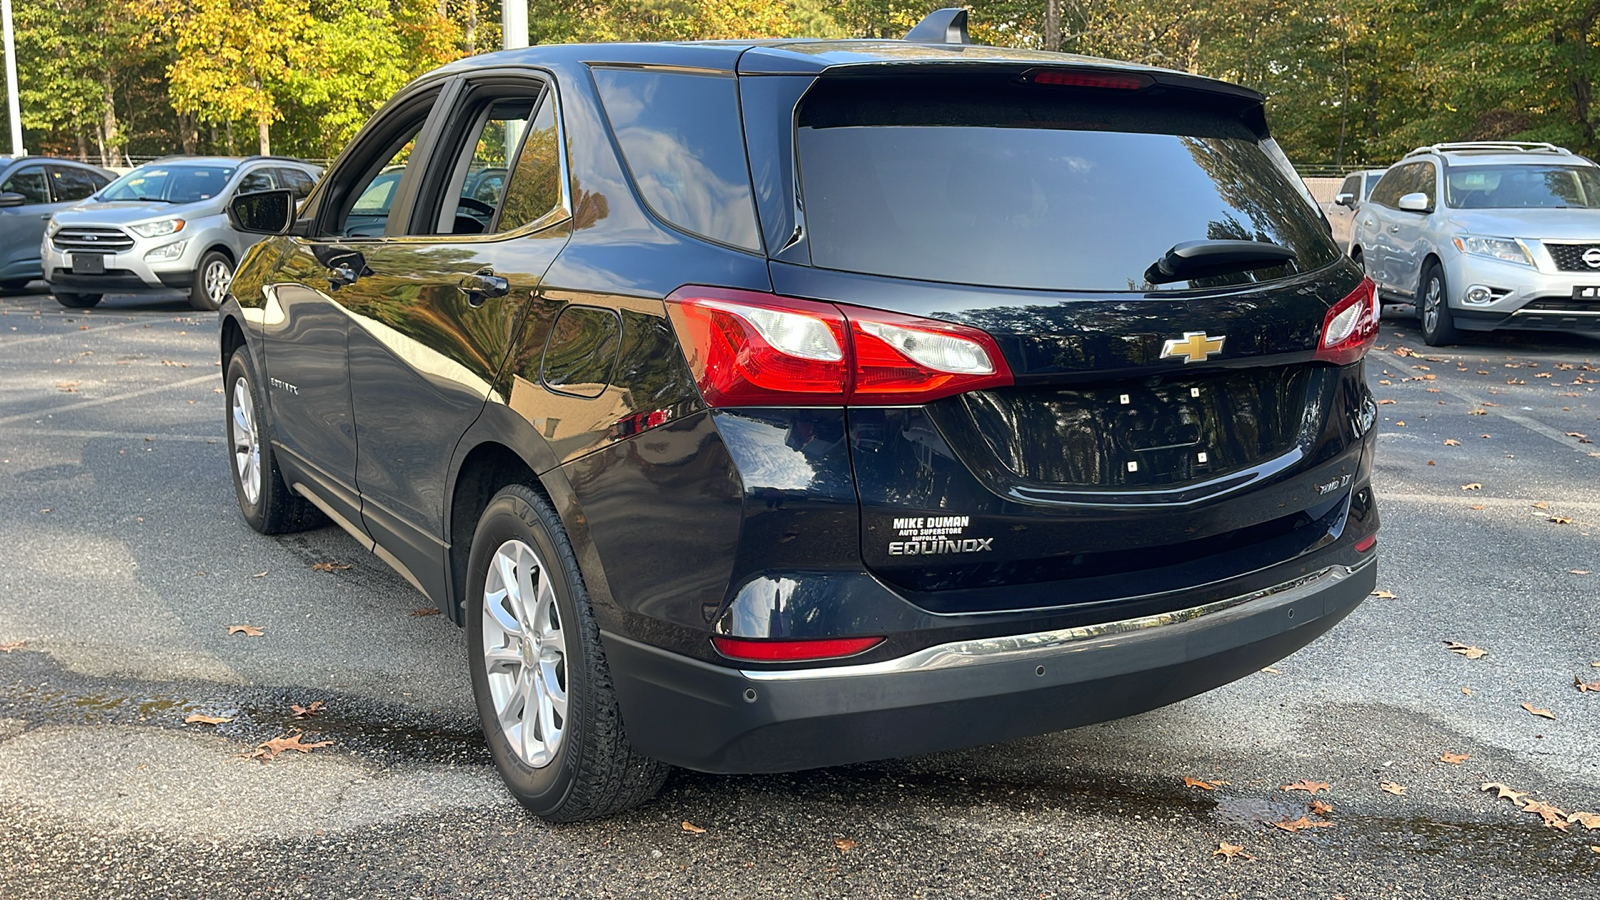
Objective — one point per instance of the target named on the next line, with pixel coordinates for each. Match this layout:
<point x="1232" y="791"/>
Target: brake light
<point x="793" y="651"/>
<point x="1351" y="326"/>
<point x="753" y="349"/>
<point x="1125" y="81"/>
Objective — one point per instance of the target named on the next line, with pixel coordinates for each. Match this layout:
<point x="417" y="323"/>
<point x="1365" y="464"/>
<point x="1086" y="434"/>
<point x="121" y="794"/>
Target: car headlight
<point x="1503" y="249"/>
<point x="170" y="251"/>
<point x="157" y="229"/>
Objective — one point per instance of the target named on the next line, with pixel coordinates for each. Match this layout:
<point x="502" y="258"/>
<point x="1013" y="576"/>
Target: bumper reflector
<point x="793" y="651"/>
<point x="1366" y="543"/>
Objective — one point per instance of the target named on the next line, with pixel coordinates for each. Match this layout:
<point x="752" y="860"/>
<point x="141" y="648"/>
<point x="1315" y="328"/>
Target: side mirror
<point x="1346" y="200"/>
<point x="262" y="212"/>
<point x="11" y="198"/>
<point x="1417" y="202"/>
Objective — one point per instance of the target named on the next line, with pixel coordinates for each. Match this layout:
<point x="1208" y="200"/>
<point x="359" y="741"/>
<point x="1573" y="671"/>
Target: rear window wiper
<point x="1197" y="259"/>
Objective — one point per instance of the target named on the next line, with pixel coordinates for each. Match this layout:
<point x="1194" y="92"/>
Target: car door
<point x="1406" y="246"/>
<point x="306" y="326"/>
<point x="22" y="227"/>
<point x="1372" y="225"/>
<point x="439" y="302"/>
<point x="1341" y="217"/>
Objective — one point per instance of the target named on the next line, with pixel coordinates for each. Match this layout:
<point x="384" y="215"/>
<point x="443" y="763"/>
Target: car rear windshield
<point x="174" y="184"/>
<point x="1007" y="184"/>
<point x="1521" y="187"/>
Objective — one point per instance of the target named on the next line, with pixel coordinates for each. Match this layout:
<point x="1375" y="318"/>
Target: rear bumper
<point x="717" y="719"/>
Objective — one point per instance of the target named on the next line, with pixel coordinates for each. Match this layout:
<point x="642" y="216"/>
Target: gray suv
<point x="162" y="227"/>
<point x="1487" y="235"/>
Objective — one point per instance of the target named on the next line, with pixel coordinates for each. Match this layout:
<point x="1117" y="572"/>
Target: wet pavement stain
<point x="36" y="692"/>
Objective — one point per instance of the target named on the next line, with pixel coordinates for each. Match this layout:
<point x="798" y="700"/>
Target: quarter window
<point x="535" y="187"/>
<point x="72" y="183"/>
<point x="259" y="180"/>
<point x="682" y="139"/>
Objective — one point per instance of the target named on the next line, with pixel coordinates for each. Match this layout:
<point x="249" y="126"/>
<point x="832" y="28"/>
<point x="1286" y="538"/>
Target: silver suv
<point x="1486" y="235"/>
<point x="162" y="227"/>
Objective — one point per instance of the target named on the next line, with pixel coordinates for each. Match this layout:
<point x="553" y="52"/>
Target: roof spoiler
<point x="942" y="26"/>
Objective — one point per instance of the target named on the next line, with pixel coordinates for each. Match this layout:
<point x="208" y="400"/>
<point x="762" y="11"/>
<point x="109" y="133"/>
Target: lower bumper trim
<point x="716" y="719"/>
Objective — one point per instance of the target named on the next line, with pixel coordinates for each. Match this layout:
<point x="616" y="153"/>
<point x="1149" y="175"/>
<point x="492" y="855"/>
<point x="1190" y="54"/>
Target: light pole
<point x="513" y="24"/>
<point x="14" y="106"/>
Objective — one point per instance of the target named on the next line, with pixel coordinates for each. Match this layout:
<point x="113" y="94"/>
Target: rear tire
<point x="78" y="301"/>
<point x="265" y="500"/>
<point x="211" y="280"/>
<point x="1433" y="308"/>
<point x="539" y="674"/>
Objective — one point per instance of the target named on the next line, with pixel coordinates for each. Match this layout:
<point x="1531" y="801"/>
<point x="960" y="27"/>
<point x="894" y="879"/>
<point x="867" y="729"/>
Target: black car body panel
<point x="414" y="369"/>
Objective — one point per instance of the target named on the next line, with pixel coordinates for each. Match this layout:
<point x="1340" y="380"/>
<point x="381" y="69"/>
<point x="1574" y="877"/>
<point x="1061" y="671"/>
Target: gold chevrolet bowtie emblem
<point x="1194" y="347"/>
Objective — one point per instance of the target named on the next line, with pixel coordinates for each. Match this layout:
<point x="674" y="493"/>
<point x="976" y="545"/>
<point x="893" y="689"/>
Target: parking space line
<point x="1478" y="500"/>
<point x="1532" y="425"/>
<point x="143" y="436"/>
<point x="154" y="389"/>
<point x="8" y="343"/>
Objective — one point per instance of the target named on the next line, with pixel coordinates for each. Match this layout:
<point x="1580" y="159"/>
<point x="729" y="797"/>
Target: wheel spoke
<point x="553" y="691"/>
<point x="502" y="658"/>
<point x="502" y="618"/>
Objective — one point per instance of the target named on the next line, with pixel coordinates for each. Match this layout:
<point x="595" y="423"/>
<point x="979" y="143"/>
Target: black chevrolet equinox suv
<point x="797" y="403"/>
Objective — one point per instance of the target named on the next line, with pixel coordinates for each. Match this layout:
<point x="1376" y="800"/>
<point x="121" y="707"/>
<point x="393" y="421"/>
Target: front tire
<point x="265" y="500"/>
<point x="211" y="281"/>
<point x="1438" y="325"/>
<point x="78" y="301"/>
<point x="539" y="674"/>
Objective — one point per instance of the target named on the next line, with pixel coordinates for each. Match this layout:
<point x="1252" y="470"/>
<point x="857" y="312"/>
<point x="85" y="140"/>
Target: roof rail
<point x="942" y="26"/>
<point x="1504" y="146"/>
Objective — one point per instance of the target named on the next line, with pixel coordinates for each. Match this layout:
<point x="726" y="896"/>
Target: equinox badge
<point x="1194" y="347"/>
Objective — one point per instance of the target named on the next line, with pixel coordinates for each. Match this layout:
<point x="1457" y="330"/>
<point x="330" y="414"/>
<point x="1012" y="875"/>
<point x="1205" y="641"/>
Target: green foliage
<point x="1350" y="82"/>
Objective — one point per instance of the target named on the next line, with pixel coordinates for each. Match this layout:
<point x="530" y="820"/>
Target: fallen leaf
<point x="328" y="566"/>
<point x="12" y="645"/>
<point x="421" y="611"/>
<point x="1195" y="782"/>
<point x="198" y="719"/>
<point x="1502" y="792"/>
<point x="1588" y="820"/>
<point x="1454" y="759"/>
<point x="1478" y="412"/>
<point x="1585" y="687"/>
<point x="1472" y="487"/>
<point x="692" y="828"/>
<point x="1476" y="506"/>
<point x="1553" y="817"/>
<point x="1389" y="787"/>
<point x="1467" y="650"/>
<point x="1579" y="572"/>
<point x="1229" y="851"/>
<point x="1386" y="402"/>
<point x="306" y="712"/>
<point x="1383" y="595"/>
<point x="1401" y="424"/>
<point x="268" y="751"/>
<point x="1320" y="808"/>
<point x="1300" y="824"/>
<point x="260" y="574"/>
<point x="1541" y="505"/>
<point x="1561" y="520"/>
<point x="1576" y="434"/>
<point x="1541" y="713"/>
<point x="845" y="845"/>
<point x="1271" y="671"/>
<point x="247" y="630"/>
<point x="1467" y="691"/>
<point x="1310" y="787"/>
<point x="1431" y="462"/>
<point x="1452" y="442"/>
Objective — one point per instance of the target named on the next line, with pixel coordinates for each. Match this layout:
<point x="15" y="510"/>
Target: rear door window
<point x="1027" y="186"/>
<point x="72" y="183"/>
<point x="257" y="180"/>
<point x="30" y="182"/>
<point x="295" y="180"/>
<point x="683" y="141"/>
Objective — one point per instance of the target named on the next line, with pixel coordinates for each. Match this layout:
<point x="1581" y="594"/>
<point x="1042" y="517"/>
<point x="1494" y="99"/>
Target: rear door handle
<point x="483" y="284"/>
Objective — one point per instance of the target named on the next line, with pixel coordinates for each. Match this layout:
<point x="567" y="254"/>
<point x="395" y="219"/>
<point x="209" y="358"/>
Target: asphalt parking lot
<point x="124" y="562"/>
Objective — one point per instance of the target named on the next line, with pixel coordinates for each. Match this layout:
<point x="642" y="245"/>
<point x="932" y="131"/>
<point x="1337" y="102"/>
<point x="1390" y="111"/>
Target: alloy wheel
<point x="525" y="653"/>
<point x="1431" y="299"/>
<point x="246" y="442"/>
<point x="217" y="277"/>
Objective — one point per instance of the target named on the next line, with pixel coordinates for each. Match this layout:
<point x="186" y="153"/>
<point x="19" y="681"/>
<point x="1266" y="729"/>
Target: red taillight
<point x="1351" y="326"/>
<point x="752" y="349"/>
<point x="1366" y="543"/>
<point x="1125" y="81"/>
<point x="793" y="651"/>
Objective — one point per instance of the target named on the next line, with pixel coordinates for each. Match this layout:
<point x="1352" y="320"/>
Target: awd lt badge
<point x="1193" y="347"/>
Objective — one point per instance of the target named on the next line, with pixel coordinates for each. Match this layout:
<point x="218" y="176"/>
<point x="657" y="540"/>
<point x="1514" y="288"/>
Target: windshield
<point x="174" y="184"/>
<point x="1036" y="187"/>
<point x="1522" y="187"/>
